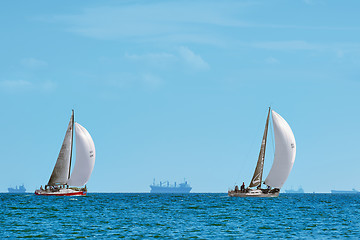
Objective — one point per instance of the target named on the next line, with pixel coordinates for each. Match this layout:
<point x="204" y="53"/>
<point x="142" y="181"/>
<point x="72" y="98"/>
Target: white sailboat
<point x="284" y="157"/>
<point x="61" y="183"/>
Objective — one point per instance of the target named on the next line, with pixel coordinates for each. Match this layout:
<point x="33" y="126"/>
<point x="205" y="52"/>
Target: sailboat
<point x="284" y="157"/>
<point x="61" y="183"/>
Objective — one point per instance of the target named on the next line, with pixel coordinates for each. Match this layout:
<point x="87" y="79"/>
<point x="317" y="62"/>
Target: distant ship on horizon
<point x="345" y="191"/>
<point x="20" y="189"/>
<point x="299" y="190"/>
<point x="166" y="187"/>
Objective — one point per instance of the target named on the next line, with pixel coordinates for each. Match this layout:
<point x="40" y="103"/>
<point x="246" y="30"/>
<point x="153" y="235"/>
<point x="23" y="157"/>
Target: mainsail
<point x="85" y="157"/>
<point x="60" y="174"/>
<point x="256" y="179"/>
<point x="285" y="151"/>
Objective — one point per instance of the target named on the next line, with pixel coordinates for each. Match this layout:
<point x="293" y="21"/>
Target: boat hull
<point x="12" y="190"/>
<point x="254" y="193"/>
<point x="62" y="192"/>
<point x="158" y="189"/>
<point x="344" y="192"/>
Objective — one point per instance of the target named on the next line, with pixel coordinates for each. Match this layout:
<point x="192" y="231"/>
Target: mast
<point x="85" y="157"/>
<point x="257" y="177"/>
<point x="72" y="139"/>
<point x="60" y="174"/>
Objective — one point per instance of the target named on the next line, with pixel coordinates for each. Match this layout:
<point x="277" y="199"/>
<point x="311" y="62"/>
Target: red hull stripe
<point x="63" y="194"/>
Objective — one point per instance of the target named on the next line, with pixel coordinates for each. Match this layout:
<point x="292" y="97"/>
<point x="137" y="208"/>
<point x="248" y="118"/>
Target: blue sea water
<point x="168" y="216"/>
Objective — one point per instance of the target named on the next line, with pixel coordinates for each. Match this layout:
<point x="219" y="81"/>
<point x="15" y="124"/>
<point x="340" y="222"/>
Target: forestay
<point x="285" y="151"/>
<point x="85" y="157"/>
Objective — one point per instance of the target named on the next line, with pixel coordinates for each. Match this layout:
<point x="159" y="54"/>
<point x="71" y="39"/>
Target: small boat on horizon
<point x="284" y="157"/>
<point x="61" y="183"/>
<point x="345" y="191"/>
<point x="299" y="190"/>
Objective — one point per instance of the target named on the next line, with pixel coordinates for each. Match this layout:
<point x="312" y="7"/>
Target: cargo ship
<point x="344" y="191"/>
<point x="20" y="189"/>
<point x="166" y="187"/>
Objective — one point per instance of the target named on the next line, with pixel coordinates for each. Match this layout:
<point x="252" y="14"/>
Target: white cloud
<point x="195" y="61"/>
<point x="22" y="85"/>
<point x="33" y="63"/>
<point x="15" y="84"/>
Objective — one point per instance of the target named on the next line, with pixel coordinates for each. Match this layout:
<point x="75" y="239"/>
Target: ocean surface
<point x="204" y="216"/>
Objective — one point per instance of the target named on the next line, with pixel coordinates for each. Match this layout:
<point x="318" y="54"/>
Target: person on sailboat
<point x="243" y="187"/>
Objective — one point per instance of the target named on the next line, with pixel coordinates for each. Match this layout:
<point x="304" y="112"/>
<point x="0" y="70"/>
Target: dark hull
<point x="255" y="193"/>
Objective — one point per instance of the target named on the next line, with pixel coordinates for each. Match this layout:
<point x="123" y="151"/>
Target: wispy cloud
<point x="151" y="81"/>
<point x="47" y="86"/>
<point x="183" y="55"/>
<point x="340" y="53"/>
<point x="338" y="49"/>
<point x="150" y="21"/>
<point x="286" y="45"/>
<point x="128" y="80"/>
<point x="13" y="86"/>
<point x="271" y="60"/>
<point x="159" y="59"/>
<point x="167" y="21"/>
<point x="309" y="2"/>
<point x="33" y="63"/>
<point x="192" y="59"/>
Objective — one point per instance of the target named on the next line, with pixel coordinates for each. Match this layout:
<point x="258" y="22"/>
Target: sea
<point x="176" y="216"/>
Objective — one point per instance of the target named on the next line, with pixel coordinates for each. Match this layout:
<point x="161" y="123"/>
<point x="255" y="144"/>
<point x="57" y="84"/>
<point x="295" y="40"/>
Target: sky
<point x="180" y="89"/>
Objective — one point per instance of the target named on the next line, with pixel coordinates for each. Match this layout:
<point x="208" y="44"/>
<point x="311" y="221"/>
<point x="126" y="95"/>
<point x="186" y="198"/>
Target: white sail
<point x="285" y="151"/>
<point x="85" y="157"/>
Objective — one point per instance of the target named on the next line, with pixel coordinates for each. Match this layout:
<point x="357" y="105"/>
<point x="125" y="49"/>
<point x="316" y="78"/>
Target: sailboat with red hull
<point x="284" y="157"/>
<point x="61" y="182"/>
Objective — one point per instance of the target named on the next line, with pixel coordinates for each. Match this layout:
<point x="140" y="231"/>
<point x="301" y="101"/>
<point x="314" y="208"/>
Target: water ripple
<point x="204" y="216"/>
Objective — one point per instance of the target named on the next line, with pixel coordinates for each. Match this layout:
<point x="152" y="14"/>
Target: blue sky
<point x="180" y="89"/>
